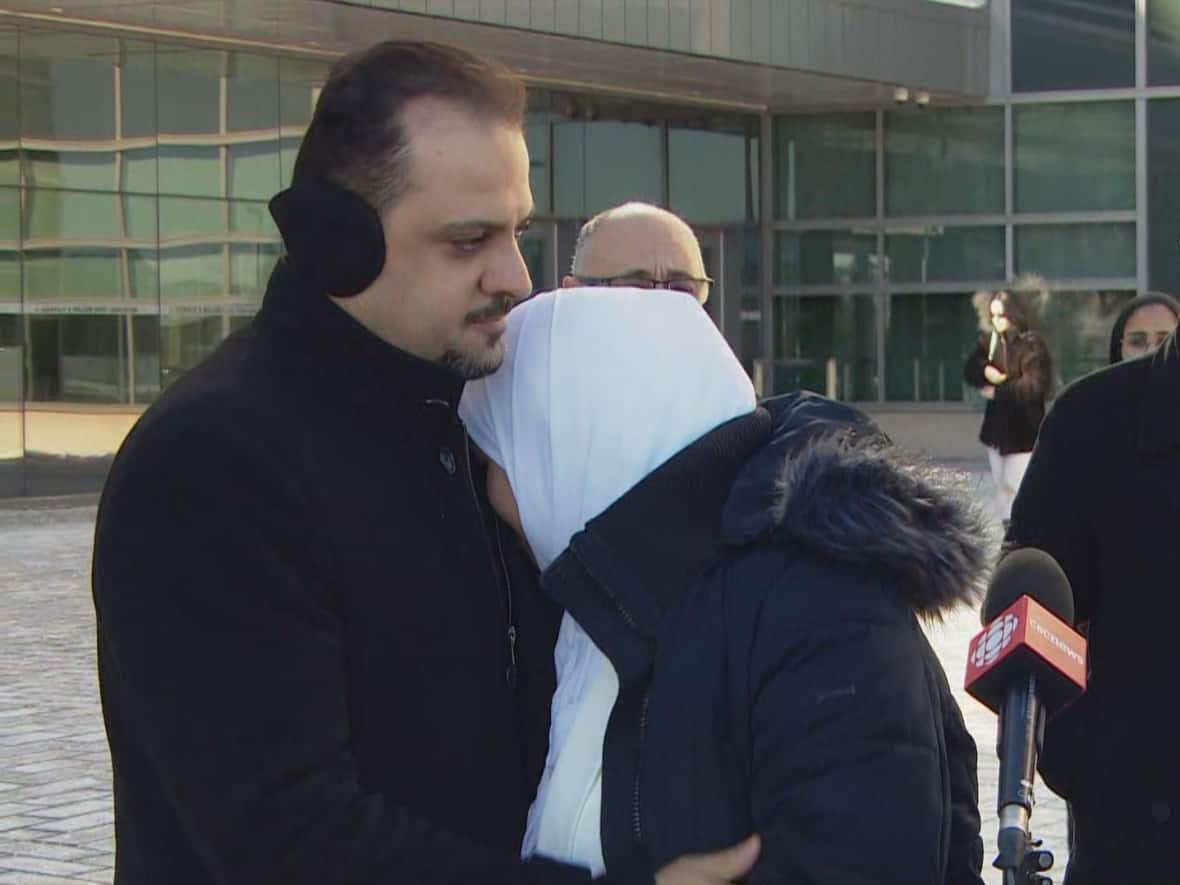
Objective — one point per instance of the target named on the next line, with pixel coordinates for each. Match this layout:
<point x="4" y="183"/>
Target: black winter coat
<point x="1013" y="417"/>
<point x="304" y="624"/>
<point x="758" y="596"/>
<point x="1102" y="496"/>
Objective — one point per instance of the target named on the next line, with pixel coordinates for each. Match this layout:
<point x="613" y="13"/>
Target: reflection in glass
<point x="12" y="436"/>
<point x="536" y="134"/>
<point x="1076" y="251"/>
<point x="299" y="82"/>
<point x="827" y="344"/>
<point x="184" y="342"/>
<point x="1163" y="194"/>
<point x="937" y="254"/>
<point x="145" y="339"/>
<point x="603" y="163"/>
<point x="928" y="338"/>
<point x="713" y="175"/>
<point x="825" y="166"/>
<point x="9" y="108"/>
<point x="944" y="161"/>
<point x="1163" y="42"/>
<point x="10" y="279"/>
<point x="825" y="257"/>
<point x="79" y="359"/>
<point x="1072" y="44"/>
<point x="1074" y="157"/>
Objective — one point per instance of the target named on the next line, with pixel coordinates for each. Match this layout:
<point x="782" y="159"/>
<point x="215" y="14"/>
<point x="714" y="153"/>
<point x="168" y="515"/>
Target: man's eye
<point x="470" y="244"/>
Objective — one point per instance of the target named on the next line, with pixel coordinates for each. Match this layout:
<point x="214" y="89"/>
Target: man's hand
<point x="994" y="375"/>
<point x="988" y="392"/>
<point x="719" y="868"/>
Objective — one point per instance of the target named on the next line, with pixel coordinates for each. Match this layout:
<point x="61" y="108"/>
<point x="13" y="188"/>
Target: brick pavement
<point x="55" y="813"/>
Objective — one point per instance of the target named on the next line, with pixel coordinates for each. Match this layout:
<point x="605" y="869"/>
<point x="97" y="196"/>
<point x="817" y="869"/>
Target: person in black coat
<point x="320" y="661"/>
<point x="1143" y="325"/>
<point x="1102" y="496"/>
<point x="1013" y="371"/>
<point x="743" y="587"/>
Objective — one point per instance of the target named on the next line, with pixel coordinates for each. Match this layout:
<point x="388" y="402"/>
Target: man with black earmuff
<point x="321" y="661"/>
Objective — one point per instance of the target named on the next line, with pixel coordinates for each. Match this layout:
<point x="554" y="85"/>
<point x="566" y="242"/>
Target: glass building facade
<point x="134" y="234"/>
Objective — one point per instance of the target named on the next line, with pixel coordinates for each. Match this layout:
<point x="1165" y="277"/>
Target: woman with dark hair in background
<point x="1143" y="325"/>
<point x="1012" y="369"/>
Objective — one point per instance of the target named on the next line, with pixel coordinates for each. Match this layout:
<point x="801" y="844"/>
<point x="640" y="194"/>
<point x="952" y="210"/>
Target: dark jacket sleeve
<point x="1049" y="514"/>
<point x="973" y="370"/>
<point x="848" y="778"/>
<point x="217" y="621"/>
<point x="1033" y="379"/>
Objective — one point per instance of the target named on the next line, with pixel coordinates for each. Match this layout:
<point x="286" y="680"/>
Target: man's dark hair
<point x="357" y="138"/>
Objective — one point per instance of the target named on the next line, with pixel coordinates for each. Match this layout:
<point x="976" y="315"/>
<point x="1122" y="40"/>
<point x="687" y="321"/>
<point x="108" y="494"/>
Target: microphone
<point x="1028" y="662"/>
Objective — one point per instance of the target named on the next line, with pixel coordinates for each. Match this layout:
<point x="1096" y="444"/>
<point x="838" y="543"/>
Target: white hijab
<point x="599" y="387"/>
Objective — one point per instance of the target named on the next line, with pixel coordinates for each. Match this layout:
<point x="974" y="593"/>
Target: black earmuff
<point x="332" y="236"/>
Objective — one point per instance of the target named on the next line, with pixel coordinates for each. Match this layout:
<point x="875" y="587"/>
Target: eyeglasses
<point x="1141" y="342"/>
<point x="698" y="287"/>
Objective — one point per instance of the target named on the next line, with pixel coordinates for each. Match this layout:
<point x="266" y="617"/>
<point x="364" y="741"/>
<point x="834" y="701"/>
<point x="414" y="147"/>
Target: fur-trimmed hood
<point x="830" y="481"/>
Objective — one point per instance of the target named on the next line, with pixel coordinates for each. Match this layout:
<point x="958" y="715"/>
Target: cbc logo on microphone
<point x="997" y="638"/>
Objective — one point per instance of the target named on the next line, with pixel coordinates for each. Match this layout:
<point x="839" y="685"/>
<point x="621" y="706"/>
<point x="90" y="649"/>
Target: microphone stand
<point x="1020" y="857"/>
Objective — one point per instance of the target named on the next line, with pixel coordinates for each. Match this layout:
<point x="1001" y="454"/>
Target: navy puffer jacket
<point x="759" y="596"/>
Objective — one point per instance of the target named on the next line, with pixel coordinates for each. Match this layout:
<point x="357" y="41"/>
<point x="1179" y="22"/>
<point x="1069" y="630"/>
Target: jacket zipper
<point x="497" y="571"/>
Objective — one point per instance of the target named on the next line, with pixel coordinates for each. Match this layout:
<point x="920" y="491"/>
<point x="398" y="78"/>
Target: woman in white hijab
<point x="713" y="600"/>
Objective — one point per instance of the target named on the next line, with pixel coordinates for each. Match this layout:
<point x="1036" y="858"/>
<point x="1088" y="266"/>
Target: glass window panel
<point x="11" y="374"/>
<point x="140" y="219"/>
<point x="72" y="215"/>
<point x="188" y="89"/>
<point x="1072" y="44"/>
<point x="67" y="86"/>
<point x="944" y="161"/>
<point x="937" y="254"/>
<point x="928" y="338"/>
<point x="252" y="93"/>
<point x="184" y="342"/>
<point x="145" y="349"/>
<point x="1163" y="194"/>
<point x="138" y="87"/>
<point x="254" y="170"/>
<point x="822" y="257"/>
<point x="10" y="278"/>
<point x="253" y="218"/>
<point x="588" y="175"/>
<point x="183" y="219"/>
<point x="1077" y="327"/>
<point x="73" y="274"/>
<point x="250" y="268"/>
<point x="67" y="108"/>
<point x="1074" y="157"/>
<point x="9" y="108"/>
<point x="192" y="272"/>
<point x="825" y="166"/>
<point x="537" y="137"/>
<point x="827" y="344"/>
<point x="710" y="176"/>
<point x="1076" y="251"/>
<point x="190" y="171"/>
<point x="77" y="170"/>
<point x="9" y="218"/>
<point x="1163" y="42"/>
<point x="78" y="358"/>
<point x="143" y="273"/>
<point x="139" y="171"/>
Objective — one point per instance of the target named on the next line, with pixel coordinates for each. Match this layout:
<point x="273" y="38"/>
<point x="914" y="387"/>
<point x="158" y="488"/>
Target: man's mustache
<point x="498" y="309"/>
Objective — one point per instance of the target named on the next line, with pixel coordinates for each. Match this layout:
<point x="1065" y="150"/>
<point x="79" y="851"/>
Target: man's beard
<point x="471" y="366"/>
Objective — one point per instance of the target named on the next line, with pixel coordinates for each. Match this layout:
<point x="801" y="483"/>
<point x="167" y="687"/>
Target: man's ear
<point x="569" y="282"/>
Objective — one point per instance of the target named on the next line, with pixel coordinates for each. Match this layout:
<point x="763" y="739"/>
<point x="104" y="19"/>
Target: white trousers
<point x="1007" y="474"/>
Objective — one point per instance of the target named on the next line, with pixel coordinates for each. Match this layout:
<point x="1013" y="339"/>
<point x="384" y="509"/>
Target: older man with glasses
<point x="641" y="246"/>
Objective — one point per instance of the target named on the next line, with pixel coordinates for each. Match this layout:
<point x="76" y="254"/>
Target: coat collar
<point x="631" y="563"/>
<point x="307" y="319"/>
<point x="1159" y="422"/>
